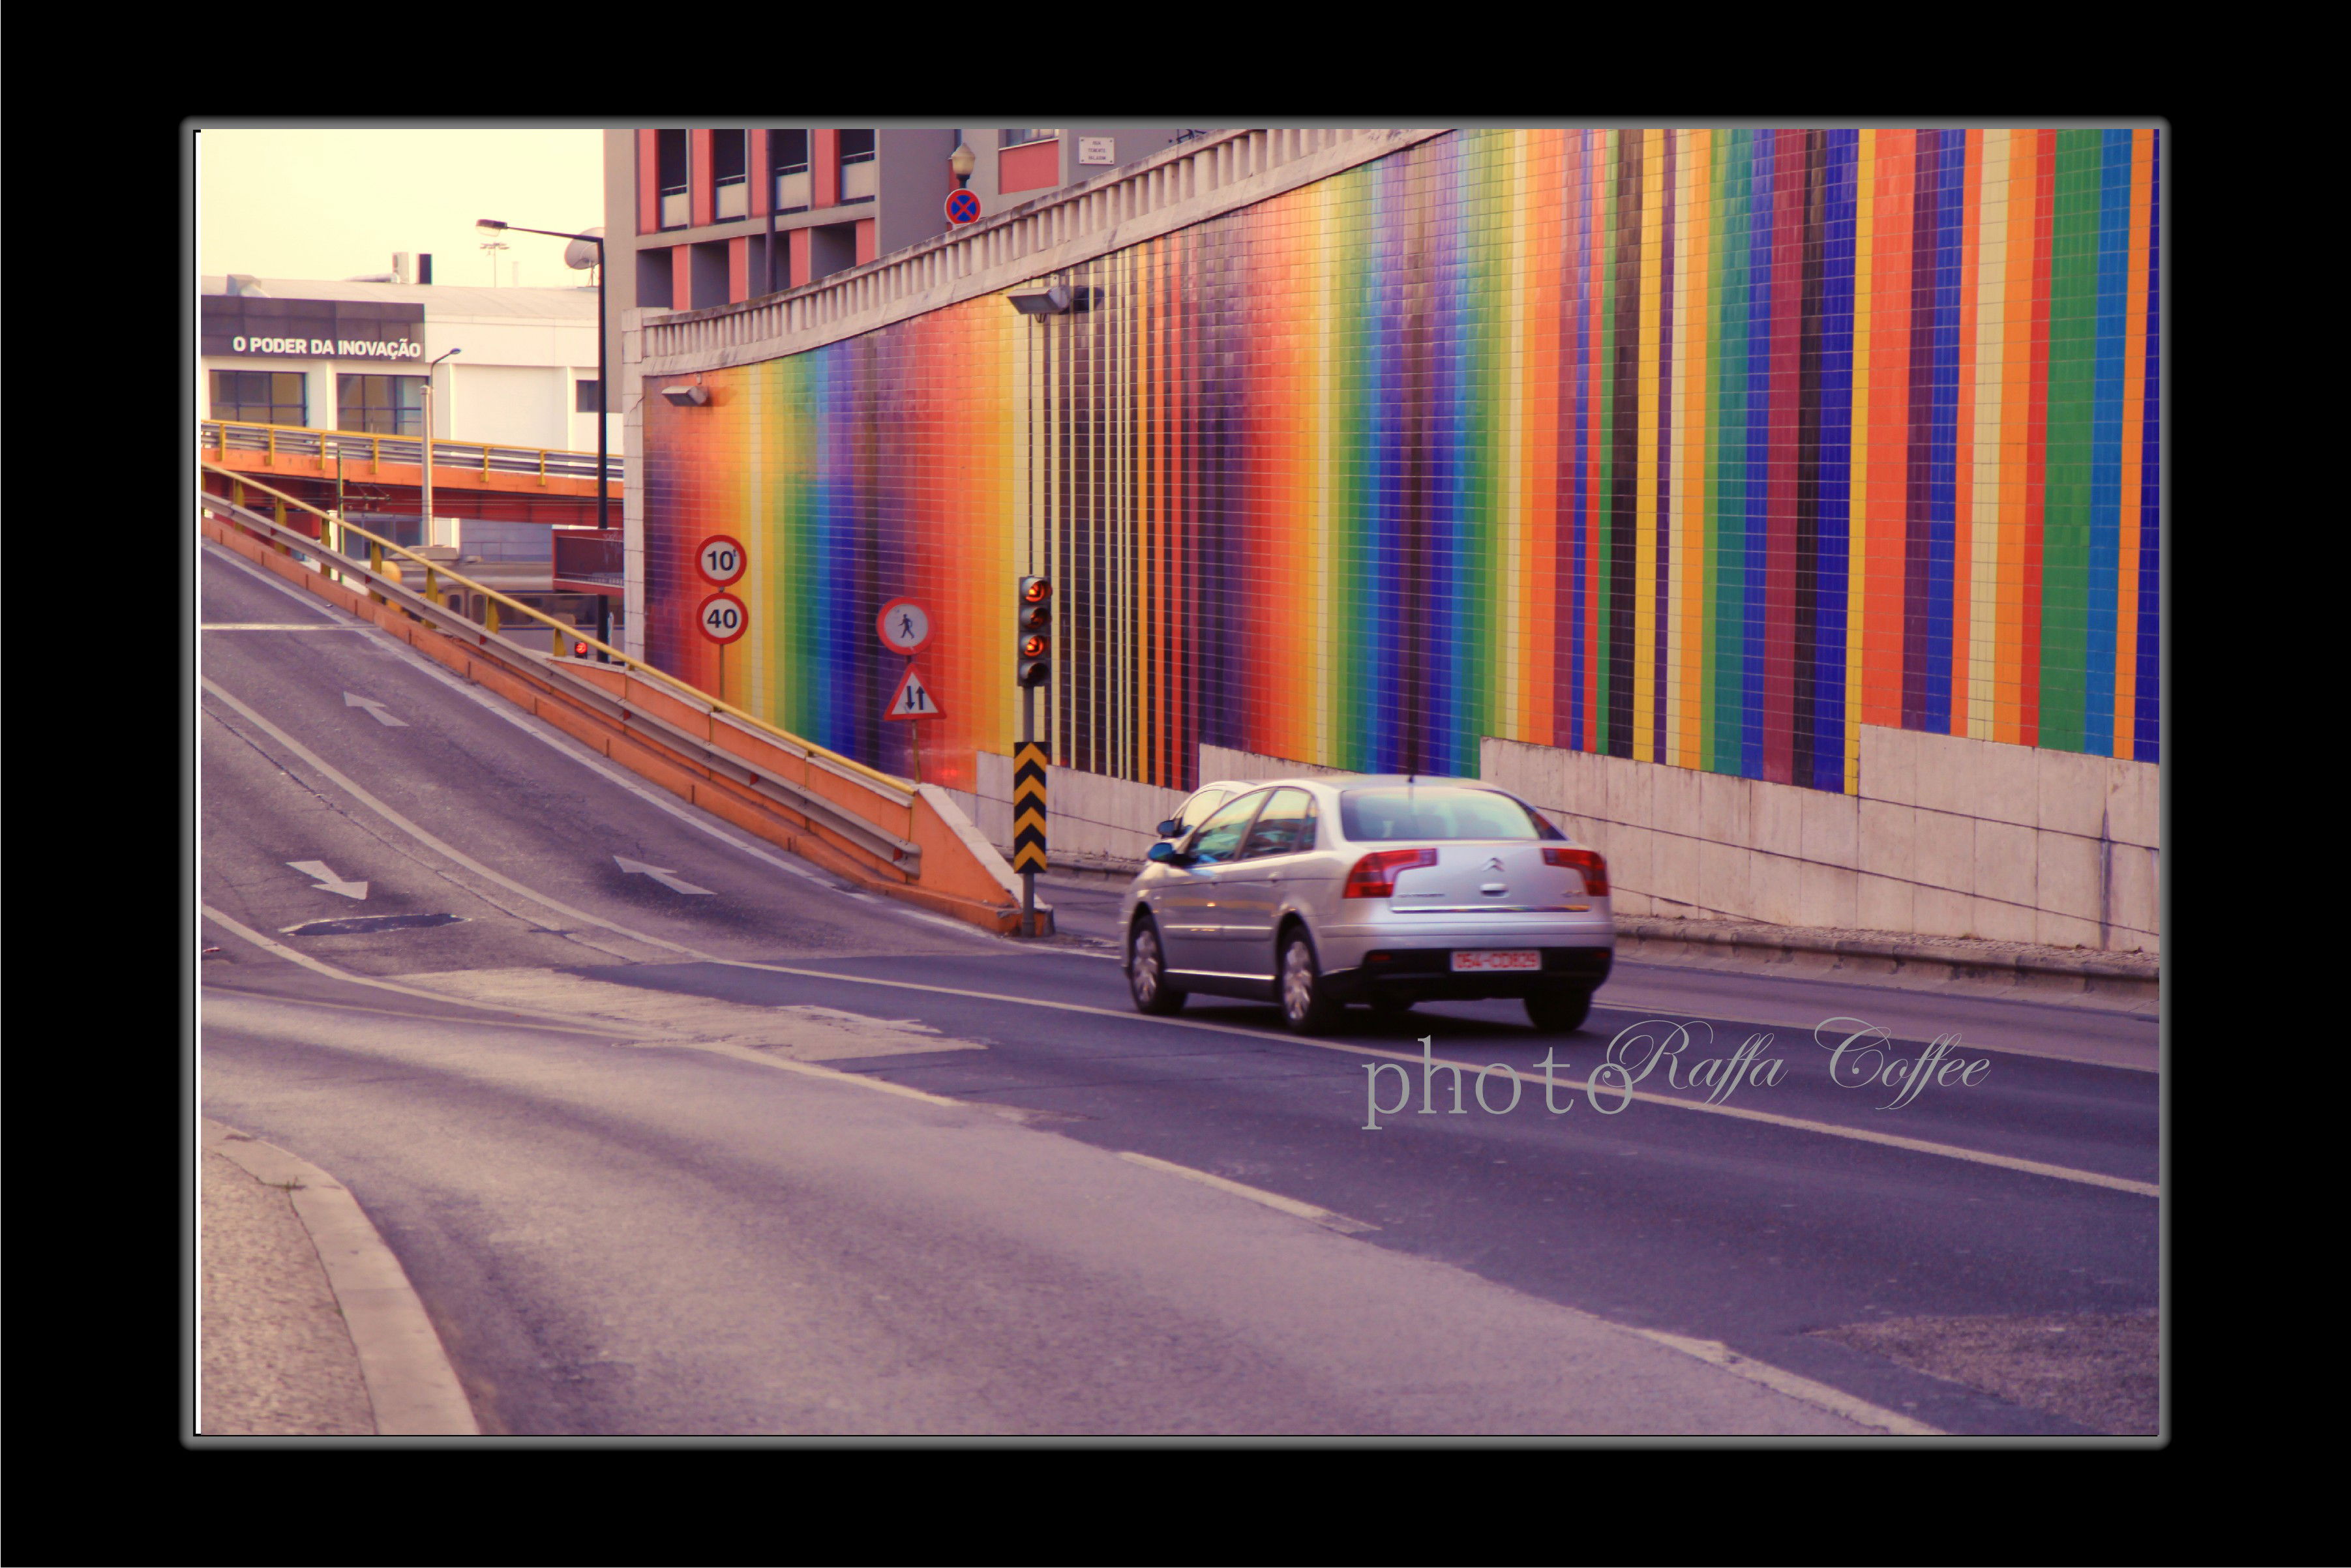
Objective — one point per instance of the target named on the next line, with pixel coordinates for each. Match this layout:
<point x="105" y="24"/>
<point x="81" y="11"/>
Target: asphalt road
<point x="632" y="1205"/>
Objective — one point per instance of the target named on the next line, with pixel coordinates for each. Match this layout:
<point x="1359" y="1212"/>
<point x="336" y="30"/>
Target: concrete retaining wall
<point x="1948" y="836"/>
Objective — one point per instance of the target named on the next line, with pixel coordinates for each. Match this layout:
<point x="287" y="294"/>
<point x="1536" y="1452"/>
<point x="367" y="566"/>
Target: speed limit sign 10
<point x="721" y="558"/>
<point x="722" y="617"/>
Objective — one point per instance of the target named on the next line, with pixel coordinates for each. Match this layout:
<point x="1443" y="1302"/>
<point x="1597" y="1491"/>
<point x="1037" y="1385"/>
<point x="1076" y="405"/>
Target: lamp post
<point x="428" y="447"/>
<point x="603" y="409"/>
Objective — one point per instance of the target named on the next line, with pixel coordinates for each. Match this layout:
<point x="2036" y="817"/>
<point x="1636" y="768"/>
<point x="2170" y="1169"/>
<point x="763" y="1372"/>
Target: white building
<point x="351" y="356"/>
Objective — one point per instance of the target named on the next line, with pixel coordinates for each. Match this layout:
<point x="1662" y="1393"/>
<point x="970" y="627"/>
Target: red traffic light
<point x="1035" y="590"/>
<point x="579" y="651"/>
<point x="1032" y="648"/>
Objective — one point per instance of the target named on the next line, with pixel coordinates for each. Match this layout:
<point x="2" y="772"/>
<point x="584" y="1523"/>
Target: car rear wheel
<point x="1306" y="1006"/>
<point x="1146" y="974"/>
<point x="1559" y="1011"/>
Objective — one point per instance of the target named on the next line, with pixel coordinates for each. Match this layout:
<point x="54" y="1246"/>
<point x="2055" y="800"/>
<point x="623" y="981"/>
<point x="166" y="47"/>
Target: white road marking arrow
<point x="375" y="710"/>
<point x="327" y="881"/>
<point x="638" y="867"/>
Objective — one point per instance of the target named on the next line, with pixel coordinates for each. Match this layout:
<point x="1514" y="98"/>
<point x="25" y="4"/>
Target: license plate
<point x="1524" y="958"/>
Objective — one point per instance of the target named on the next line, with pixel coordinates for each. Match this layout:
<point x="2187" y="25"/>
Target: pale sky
<point x="337" y="203"/>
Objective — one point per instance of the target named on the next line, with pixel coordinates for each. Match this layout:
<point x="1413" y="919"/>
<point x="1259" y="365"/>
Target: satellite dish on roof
<point x="579" y="256"/>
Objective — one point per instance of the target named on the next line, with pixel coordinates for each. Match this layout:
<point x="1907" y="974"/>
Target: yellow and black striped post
<point x="1028" y="822"/>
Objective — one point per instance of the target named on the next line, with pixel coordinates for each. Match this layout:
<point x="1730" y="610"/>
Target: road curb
<point x="2137" y="977"/>
<point x="411" y="1386"/>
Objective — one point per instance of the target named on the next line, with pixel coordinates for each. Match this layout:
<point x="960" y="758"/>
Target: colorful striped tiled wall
<point x="1703" y="448"/>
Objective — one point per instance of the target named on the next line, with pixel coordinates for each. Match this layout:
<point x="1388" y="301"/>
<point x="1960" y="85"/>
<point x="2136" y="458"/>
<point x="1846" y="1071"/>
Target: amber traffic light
<point x="1033" y="633"/>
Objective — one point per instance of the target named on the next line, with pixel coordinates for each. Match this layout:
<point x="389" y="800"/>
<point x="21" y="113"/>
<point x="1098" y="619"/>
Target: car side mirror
<point x="1166" y="854"/>
<point x="1169" y="828"/>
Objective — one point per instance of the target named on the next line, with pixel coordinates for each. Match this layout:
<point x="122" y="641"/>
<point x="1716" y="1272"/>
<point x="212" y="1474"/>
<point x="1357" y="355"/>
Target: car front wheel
<point x="1306" y="1007"/>
<point x="1146" y="974"/>
<point x="1559" y="1011"/>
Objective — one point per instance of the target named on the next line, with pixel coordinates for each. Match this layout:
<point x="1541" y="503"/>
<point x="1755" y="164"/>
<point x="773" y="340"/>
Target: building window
<point x="857" y="169"/>
<point x="676" y="210"/>
<point x="653" y="274"/>
<point x="380" y="405"/>
<point x="788" y="151"/>
<point x="261" y="397"/>
<point x="1020" y="138"/>
<point x="730" y="166"/>
<point x="583" y="396"/>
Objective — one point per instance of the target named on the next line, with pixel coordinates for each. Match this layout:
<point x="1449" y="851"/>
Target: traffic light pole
<point x="1028" y="879"/>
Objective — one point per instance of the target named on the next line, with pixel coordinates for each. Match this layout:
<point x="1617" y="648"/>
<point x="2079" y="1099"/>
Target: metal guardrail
<point x="386" y="587"/>
<point x="354" y="448"/>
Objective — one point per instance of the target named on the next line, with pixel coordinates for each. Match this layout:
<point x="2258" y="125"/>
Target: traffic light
<point x="1033" y="632"/>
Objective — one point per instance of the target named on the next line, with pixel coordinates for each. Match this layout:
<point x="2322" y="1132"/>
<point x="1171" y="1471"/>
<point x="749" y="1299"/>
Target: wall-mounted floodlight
<point x="686" y="397"/>
<point x="1040" y="301"/>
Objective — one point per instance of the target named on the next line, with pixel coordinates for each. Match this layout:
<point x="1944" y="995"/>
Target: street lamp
<point x="603" y="407"/>
<point x="428" y="446"/>
<point x="962" y="160"/>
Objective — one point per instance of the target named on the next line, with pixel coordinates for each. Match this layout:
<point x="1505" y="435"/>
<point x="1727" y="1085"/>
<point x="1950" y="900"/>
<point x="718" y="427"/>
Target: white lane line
<point x="273" y="626"/>
<point x="1799" y="1124"/>
<point x="1835" y="1401"/>
<point x="1322" y="1217"/>
<point x="328" y="771"/>
<point x="1609" y="1092"/>
<point x="1650" y="998"/>
<point x="277" y="949"/>
<point x="809" y="1069"/>
<point x="547" y="735"/>
<point x="218" y="994"/>
<point x="1738" y="1113"/>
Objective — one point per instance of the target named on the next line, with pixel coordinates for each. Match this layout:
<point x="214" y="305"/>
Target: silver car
<point x="1200" y="802"/>
<point x="1388" y="890"/>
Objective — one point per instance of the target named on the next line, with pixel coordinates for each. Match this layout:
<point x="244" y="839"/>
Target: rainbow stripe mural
<point x="1699" y="447"/>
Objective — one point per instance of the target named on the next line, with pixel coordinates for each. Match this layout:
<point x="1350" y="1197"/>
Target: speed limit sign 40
<point x="722" y="617"/>
<point x="721" y="558"/>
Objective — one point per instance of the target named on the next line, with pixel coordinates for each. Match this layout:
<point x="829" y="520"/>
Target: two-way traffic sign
<point x="912" y="699"/>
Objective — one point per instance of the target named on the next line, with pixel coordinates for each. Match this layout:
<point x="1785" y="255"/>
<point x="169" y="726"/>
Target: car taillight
<point x="1374" y="874"/>
<point x="1588" y="862"/>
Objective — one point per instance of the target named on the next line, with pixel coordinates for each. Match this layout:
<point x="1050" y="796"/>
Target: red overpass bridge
<point x="379" y="481"/>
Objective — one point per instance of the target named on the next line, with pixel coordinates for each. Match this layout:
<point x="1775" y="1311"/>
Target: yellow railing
<point x="339" y="531"/>
<point x="273" y="441"/>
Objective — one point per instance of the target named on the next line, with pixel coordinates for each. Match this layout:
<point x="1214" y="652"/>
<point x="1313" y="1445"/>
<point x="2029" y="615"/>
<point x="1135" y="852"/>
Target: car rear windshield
<point x="1429" y="811"/>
